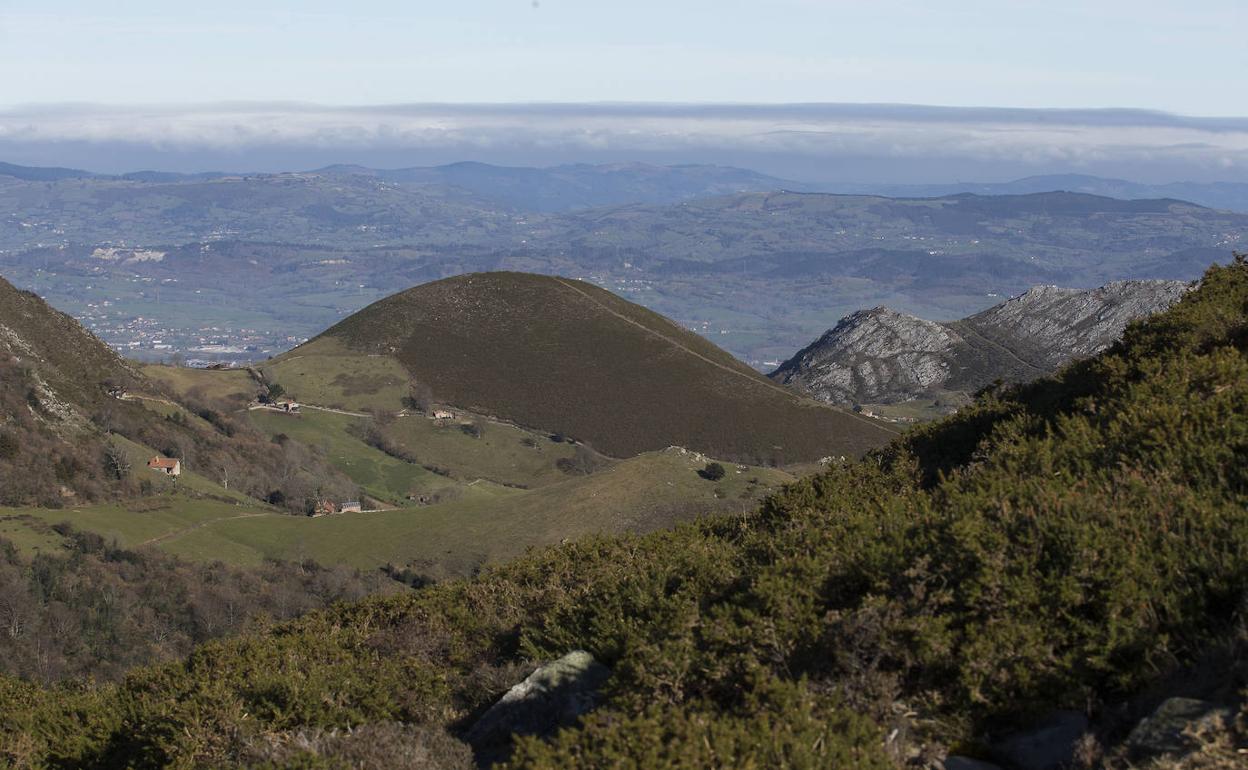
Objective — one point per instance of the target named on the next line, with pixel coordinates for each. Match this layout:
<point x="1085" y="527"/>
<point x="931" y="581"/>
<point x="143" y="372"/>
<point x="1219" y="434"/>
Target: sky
<point x="812" y="90"/>
<point x="1182" y="56"/>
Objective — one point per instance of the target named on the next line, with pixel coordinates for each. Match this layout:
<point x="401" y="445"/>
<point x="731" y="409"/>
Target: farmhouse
<point x="287" y="405"/>
<point x="324" y="508"/>
<point x="351" y="506"/>
<point x="167" y="465"/>
<point x="442" y="414"/>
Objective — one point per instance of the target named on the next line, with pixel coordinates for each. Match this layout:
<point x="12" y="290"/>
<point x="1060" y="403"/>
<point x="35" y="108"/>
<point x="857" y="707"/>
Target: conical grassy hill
<point x="568" y="357"/>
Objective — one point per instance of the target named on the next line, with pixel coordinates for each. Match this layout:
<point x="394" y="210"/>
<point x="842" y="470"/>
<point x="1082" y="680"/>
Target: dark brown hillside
<point x="568" y="357"/>
<point x="60" y="419"/>
<point x="69" y="358"/>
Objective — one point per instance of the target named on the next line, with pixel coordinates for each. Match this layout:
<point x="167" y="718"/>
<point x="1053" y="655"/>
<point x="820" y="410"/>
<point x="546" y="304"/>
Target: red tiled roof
<point x="162" y="463"/>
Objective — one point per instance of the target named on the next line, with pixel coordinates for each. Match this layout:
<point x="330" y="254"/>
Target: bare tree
<point x="116" y="461"/>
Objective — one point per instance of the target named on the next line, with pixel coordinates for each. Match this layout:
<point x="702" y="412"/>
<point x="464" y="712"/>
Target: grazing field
<point x="234" y="387"/>
<point x="483" y="524"/>
<point x="499" y="452"/>
<point x="380" y="476"/>
<point x="31" y="535"/>
<point x="326" y="373"/>
<point x="151" y="521"/>
<point x="644" y="493"/>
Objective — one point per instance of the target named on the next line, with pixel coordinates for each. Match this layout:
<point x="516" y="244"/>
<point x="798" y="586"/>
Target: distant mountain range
<point x="880" y="356"/>
<point x="583" y="186"/>
<point x="1230" y="196"/>
<point x="263" y="261"/>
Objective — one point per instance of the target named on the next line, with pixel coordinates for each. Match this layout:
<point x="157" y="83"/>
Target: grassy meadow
<point x="481" y="523"/>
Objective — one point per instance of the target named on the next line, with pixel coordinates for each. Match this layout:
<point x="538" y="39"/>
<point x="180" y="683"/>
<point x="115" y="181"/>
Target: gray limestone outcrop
<point x="555" y="695"/>
<point x="881" y="356"/>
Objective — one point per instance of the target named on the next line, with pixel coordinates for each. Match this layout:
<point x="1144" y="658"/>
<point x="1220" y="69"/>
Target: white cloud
<point x="1069" y="137"/>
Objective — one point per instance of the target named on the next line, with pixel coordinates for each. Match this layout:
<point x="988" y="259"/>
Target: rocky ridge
<point x="881" y="356"/>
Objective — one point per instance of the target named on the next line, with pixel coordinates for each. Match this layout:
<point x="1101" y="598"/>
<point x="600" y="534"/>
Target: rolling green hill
<point x="566" y="356"/>
<point x="1076" y="543"/>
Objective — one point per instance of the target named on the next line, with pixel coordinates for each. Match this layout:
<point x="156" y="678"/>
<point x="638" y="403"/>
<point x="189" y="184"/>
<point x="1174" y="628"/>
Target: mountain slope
<point x="882" y="356"/>
<point x="1082" y="549"/>
<point x="77" y="422"/>
<point x="568" y="357"/>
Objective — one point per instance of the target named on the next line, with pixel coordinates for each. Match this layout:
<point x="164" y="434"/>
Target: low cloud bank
<point x="1040" y="140"/>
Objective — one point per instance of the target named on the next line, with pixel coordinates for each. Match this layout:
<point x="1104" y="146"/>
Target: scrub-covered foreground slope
<point x="1077" y="543"/>
<point x="568" y="357"/>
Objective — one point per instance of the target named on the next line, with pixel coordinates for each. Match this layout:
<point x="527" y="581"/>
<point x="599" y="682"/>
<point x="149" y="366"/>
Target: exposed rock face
<point x="1052" y="325"/>
<point x="553" y="696"/>
<point x="1166" y="731"/>
<point x="880" y="352"/>
<point x="882" y="356"/>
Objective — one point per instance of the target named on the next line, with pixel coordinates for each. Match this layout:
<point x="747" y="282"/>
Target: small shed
<point x="351" y="506"/>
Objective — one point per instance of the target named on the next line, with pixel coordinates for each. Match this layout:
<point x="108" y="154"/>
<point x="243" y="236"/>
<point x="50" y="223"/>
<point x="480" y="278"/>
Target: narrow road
<point x="302" y="405"/>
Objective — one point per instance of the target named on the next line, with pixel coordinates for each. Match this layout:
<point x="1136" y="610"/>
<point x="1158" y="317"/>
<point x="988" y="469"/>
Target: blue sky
<point x="1185" y="57"/>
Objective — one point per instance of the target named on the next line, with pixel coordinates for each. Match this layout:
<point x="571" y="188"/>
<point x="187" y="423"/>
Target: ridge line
<point x="760" y="380"/>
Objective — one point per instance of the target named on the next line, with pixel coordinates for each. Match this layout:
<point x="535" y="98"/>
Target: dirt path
<point x="302" y="405"/>
<point x="179" y="533"/>
<point x="753" y="379"/>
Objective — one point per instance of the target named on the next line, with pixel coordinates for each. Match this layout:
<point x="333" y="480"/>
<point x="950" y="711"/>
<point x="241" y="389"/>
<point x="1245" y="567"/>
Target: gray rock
<point x="553" y="696"/>
<point x="882" y="356"/>
<point x="966" y="763"/>
<point x="1048" y="746"/>
<point x="1163" y="732"/>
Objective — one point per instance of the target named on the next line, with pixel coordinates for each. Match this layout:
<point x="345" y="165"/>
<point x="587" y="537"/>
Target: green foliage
<point x="1058" y="544"/>
<point x="787" y="726"/>
<point x="92" y="609"/>
<point x="713" y="472"/>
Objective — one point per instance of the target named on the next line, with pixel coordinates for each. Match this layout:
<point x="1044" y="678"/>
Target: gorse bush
<point x="1059" y="544"/>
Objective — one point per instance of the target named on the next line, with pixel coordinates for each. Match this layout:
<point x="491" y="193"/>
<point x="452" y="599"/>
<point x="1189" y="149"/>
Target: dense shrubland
<point x="97" y="610"/>
<point x="1064" y="544"/>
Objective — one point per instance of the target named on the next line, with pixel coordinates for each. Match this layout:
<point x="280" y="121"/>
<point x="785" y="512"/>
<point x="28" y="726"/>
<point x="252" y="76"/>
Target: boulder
<point x="966" y="763"/>
<point x="1165" y="730"/>
<point x="1048" y="746"/>
<point x="553" y="696"/>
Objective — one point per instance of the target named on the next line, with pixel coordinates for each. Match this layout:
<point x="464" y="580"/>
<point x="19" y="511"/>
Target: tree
<point x="420" y="397"/>
<point x="116" y="462"/>
<point x="712" y="472"/>
<point x="276" y="391"/>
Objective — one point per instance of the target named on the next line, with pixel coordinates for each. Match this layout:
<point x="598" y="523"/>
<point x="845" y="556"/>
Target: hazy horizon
<point x="881" y="143"/>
